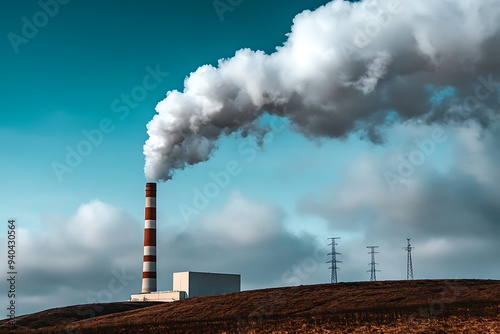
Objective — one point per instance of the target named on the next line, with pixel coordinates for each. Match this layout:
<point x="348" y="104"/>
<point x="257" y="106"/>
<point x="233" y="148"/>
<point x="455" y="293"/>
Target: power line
<point x="372" y="264"/>
<point x="334" y="260"/>
<point x="409" y="264"/>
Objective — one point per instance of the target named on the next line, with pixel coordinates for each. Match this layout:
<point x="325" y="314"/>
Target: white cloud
<point x="75" y="257"/>
<point x="344" y="68"/>
<point x="81" y="258"/>
<point x="241" y="222"/>
<point x="447" y="214"/>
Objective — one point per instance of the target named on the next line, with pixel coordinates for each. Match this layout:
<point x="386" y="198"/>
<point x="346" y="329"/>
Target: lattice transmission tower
<point x="373" y="270"/>
<point x="334" y="260"/>
<point x="409" y="264"/>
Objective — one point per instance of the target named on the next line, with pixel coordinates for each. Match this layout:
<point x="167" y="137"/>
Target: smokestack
<point x="149" y="264"/>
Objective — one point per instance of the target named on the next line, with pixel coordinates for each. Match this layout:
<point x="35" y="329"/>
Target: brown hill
<point x="420" y="306"/>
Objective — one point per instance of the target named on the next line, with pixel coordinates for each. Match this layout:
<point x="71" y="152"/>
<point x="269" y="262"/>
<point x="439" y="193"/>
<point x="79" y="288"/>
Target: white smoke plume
<point x="345" y="67"/>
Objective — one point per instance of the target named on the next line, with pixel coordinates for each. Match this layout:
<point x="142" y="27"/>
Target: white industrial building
<point x="158" y="296"/>
<point x="192" y="284"/>
<point x="203" y="284"/>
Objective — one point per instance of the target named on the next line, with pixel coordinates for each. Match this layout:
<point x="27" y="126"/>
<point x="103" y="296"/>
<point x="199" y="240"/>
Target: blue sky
<point x="287" y="199"/>
<point x="64" y="80"/>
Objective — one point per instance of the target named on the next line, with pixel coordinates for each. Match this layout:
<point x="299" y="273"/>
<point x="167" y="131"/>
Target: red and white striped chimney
<point x="149" y="264"/>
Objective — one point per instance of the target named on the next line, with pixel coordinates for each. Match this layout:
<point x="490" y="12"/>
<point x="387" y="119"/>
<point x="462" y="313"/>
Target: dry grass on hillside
<point x="420" y="306"/>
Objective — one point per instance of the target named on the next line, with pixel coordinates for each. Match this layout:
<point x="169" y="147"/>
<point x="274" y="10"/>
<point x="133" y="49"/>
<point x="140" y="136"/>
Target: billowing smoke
<point x="346" y="67"/>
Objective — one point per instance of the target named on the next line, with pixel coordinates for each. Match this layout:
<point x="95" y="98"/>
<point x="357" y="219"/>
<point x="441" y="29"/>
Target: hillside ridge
<point x="412" y="306"/>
